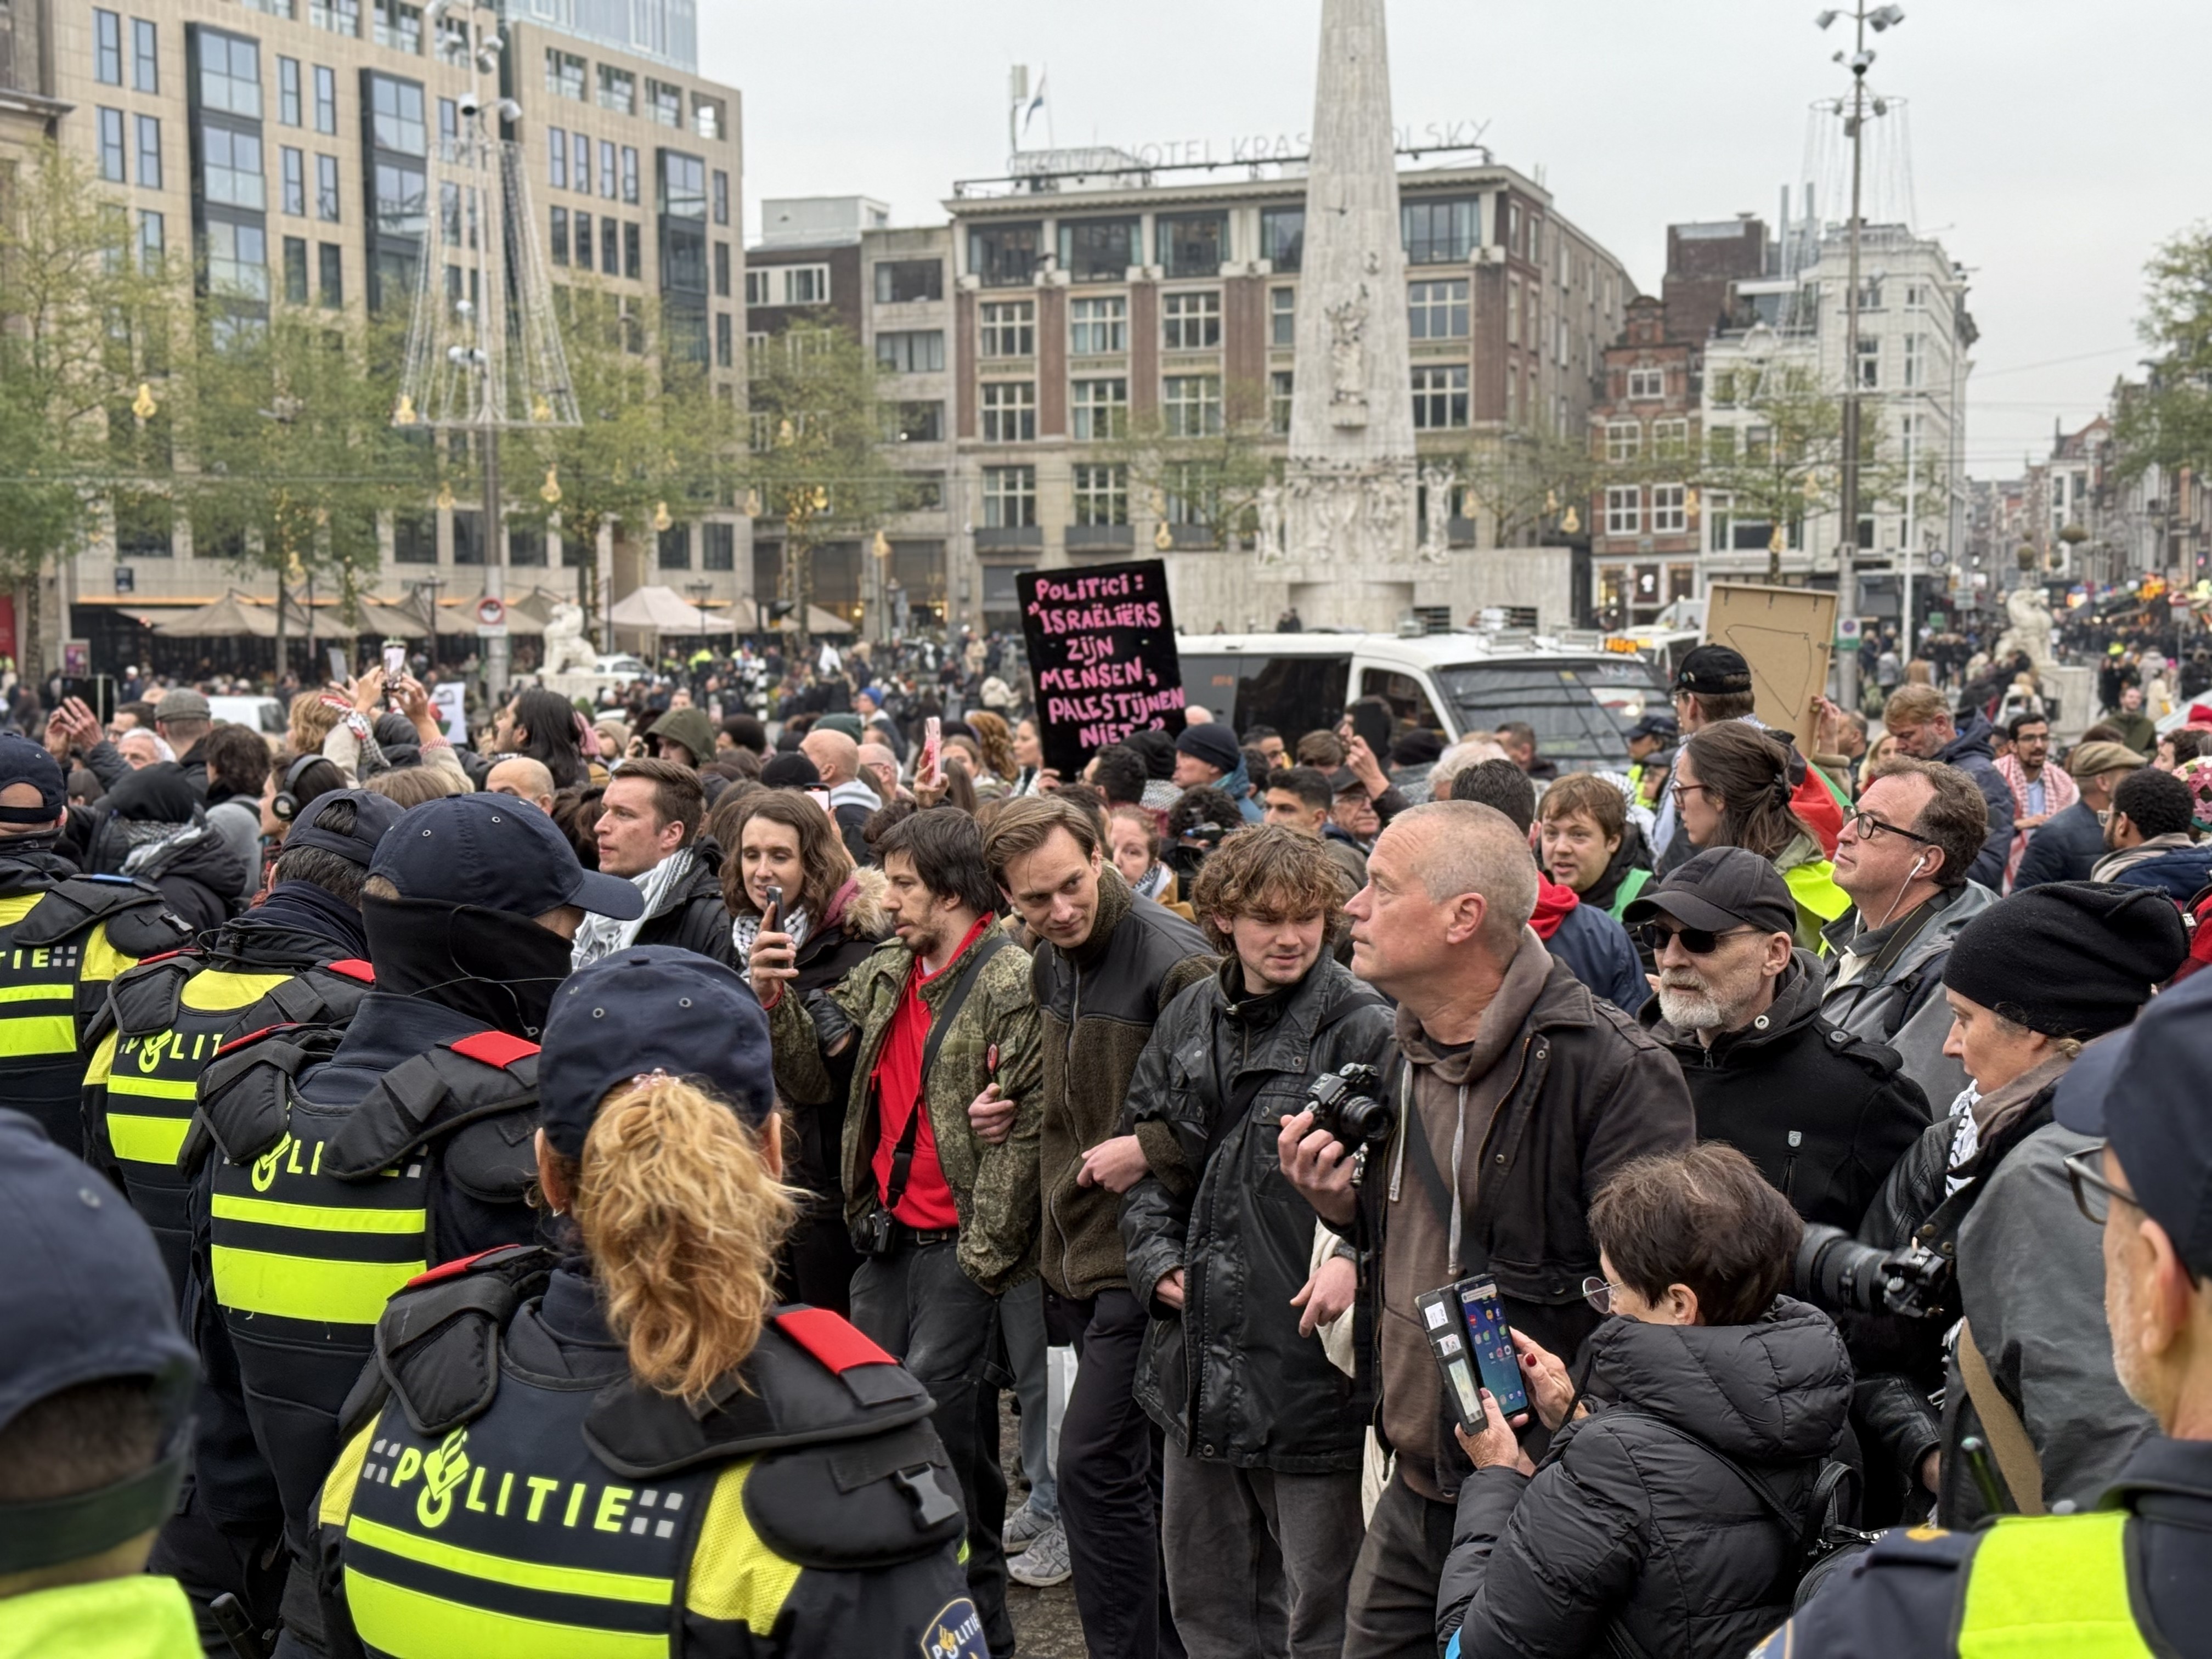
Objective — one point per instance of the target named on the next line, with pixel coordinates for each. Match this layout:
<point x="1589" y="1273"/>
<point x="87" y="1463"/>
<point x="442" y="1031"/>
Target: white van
<point x="1577" y="697"/>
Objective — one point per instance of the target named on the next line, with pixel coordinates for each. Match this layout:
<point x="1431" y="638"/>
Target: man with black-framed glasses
<point x="1822" y="1113"/>
<point x="2133" y="1576"/>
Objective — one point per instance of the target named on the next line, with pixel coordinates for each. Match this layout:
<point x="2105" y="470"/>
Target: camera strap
<point x="939" y="1024"/>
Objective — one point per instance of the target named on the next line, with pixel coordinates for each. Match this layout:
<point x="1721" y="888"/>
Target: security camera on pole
<point x="1879" y="18"/>
<point x="487" y="355"/>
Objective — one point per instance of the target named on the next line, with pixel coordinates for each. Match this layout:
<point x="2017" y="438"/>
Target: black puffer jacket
<point x="1635" y="1537"/>
<point x="1230" y="1377"/>
<point x="697" y="918"/>
<point x="1825" y="1116"/>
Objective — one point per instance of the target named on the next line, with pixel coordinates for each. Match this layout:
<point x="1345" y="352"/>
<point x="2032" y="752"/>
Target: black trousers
<point x="918" y="1305"/>
<point x="1110" y="1464"/>
<point x="1393" y="1613"/>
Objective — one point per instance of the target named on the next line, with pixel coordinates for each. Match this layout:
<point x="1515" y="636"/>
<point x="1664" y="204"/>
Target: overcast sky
<point x="2053" y="142"/>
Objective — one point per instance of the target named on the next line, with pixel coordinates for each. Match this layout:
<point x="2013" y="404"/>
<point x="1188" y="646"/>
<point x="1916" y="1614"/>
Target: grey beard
<point x="1690" y="1011"/>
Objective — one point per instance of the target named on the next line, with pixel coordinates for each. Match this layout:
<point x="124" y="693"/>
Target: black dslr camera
<point x="1348" y="1103"/>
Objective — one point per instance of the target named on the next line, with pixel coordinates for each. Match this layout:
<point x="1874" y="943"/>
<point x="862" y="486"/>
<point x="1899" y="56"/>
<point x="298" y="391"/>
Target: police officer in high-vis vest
<point x="63" y="938"/>
<point x="337" y="1167"/>
<point x="2133" y="1577"/>
<point x="95" y="1390"/>
<point x="300" y="958"/>
<point x="627" y="1448"/>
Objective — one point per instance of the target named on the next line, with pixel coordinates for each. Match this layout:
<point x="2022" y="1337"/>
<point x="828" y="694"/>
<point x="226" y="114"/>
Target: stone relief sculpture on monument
<point x="1267" y="543"/>
<point x="1348" y="359"/>
<point x="1385" y="506"/>
<point x="1436" y="482"/>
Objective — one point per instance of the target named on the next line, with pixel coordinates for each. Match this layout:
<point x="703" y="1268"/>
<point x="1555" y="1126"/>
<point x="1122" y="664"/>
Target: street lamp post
<point x="1879" y="18"/>
<point x="699" y="591"/>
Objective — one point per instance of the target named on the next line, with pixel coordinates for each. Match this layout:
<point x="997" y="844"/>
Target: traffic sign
<point x="491" y="612"/>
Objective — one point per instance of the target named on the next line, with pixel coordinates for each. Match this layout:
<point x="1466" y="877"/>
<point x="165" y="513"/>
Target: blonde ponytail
<point x="682" y="1219"/>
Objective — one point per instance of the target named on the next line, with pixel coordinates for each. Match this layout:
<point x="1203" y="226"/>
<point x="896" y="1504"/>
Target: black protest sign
<point x="1101" y="649"/>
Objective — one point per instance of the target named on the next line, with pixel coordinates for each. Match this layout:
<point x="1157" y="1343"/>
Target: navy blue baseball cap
<point x="651" y="1008"/>
<point x="487" y="851"/>
<point x="22" y="761"/>
<point x="373" y="816"/>
<point x="89" y="1301"/>
<point x="2141" y="1091"/>
<point x="1655" y="724"/>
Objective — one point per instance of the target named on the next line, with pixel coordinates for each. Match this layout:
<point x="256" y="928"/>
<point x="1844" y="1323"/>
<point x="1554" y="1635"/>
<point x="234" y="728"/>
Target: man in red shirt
<point x="943" y="1015"/>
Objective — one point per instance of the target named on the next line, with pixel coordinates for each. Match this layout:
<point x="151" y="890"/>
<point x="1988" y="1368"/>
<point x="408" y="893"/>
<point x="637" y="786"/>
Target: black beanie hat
<point x="793" y="771"/>
<point x="2070" y="959"/>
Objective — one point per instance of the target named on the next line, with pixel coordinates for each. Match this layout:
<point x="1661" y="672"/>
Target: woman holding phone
<point x="1655" y="1522"/>
<point x="805" y="915"/>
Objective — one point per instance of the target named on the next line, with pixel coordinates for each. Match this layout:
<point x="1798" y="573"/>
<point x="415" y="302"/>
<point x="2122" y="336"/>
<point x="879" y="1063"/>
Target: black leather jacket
<point x="1230" y="1377"/>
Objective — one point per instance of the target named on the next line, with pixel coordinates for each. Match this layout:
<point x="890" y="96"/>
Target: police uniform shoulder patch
<point x="830" y="1338"/>
<point x="352" y="968"/>
<point x="955" y="1632"/>
<point x="1930" y="1546"/>
<point x="494" y="1048"/>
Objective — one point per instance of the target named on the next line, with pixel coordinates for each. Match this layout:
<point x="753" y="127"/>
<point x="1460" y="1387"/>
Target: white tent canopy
<point x="663" y="610"/>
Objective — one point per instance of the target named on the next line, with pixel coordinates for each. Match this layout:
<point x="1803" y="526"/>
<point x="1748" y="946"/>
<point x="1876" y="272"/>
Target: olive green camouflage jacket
<point x="994" y="1187"/>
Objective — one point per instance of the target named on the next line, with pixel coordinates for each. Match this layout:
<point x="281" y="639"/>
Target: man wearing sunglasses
<point x="2133" y="1577"/>
<point x="1824" y="1114"/>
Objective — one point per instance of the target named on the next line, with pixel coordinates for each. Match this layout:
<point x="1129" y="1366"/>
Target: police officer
<point x="298" y="959"/>
<point x="630" y="1449"/>
<point x="2133" y="1577"/>
<point x="341" y="1167"/>
<point x="63" y="938"/>
<point x="95" y="1383"/>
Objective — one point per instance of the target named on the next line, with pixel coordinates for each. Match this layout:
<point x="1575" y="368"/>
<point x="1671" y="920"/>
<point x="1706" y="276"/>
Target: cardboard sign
<point x="1784" y="634"/>
<point x="1102" y="650"/>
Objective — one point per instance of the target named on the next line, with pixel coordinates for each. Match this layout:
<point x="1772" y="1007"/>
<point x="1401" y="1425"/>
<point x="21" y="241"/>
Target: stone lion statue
<point x="566" y="647"/>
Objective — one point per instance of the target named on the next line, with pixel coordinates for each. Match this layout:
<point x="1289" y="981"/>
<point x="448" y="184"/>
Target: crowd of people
<point x="604" y="1187"/>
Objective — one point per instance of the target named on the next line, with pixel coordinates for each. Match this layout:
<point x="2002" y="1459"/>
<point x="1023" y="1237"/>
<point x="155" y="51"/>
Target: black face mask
<point x="492" y="967"/>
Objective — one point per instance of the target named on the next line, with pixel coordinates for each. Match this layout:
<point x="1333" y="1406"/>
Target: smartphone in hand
<point x="772" y="917"/>
<point x="1442" y="1324"/>
<point x="933" y="746"/>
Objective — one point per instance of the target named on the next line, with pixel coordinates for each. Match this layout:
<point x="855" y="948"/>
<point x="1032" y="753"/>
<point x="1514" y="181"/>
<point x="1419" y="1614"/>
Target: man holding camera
<point x="1261" y="1512"/>
<point x="1530" y="1090"/>
<point x="944" y="1220"/>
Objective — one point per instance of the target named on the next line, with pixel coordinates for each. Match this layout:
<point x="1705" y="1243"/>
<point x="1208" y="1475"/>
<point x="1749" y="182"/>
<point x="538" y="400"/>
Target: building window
<point x="1646" y="385"/>
<point x="150" y="152"/>
<point x="617" y="90"/>
<point x="1191" y="322"/>
<point x="1100" y="250"/>
<point x="634" y="253"/>
<point x="230" y="73"/>
<point x="1437" y="311"/>
<point x="1009" y="497"/>
<point x="288" y="89"/>
<point x="230" y="169"/>
<point x="399" y="26"/>
<point x="556" y="157"/>
<point x="1279" y="402"/>
<point x="917" y="422"/>
<point x="1283" y="237"/>
<point x="675" y="547"/>
<point x="1513" y="311"/>
<point x="1003" y="256"/>
<point x="1098" y="328"/>
<point x="1916" y="345"/>
<point x="564" y="75"/>
<point x="1099" y="409"/>
<point x="1440" y="397"/>
<point x="905" y="281"/>
<point x="630" y="187"/>
<point x="327" y="188"/>
<point x="237" y="260"/>
<point x="585" y="258"/>
<point x="914" y="351"/>
<point x="1282" y="317"/>
<point x="1624" y="510"/>
<point x="1623" y="441"/>
<point x="326" y="100"/>
<point x="1102" y="495"/>
<point x="1670" y="511"/>
<point x="757" y="287"/>
<point x="1194" y="244"/>
<point x="1192" y="404"/>
<point x="1009" y="328"/>
<point x="111" y="164"/>
<point x="145" y="56"/>
<point x="1439" y="233"/>
<point x="722" y="197"/>
<point x="107" y="48"/>
<point x="1670" y="440"/>
<point x="607" y="187"/>
<point x="293" y="165"/>
<point x="580" y="170"/>
<point x="718" y="547"/>
<point x="1009" y="411"/>
<point x="558" y="237"/>
<point x="295" y="269"/>
<point x="153" y="239"/>
<point x="1870" y="360"/>
<point x="610" y="247"/>
<point x="397" y="113"/>
<point x="663" y="102"/>
<point x="338" y="16"/>
<point x="707" y="117"/>
<point x="806" y="285"/>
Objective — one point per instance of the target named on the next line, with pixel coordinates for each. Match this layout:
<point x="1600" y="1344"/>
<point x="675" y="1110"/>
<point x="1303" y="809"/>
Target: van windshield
<point x="1577" y="708"/>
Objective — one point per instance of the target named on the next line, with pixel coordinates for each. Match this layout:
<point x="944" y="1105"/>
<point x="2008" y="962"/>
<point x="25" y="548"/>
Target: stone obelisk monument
<point x="1349" y="534"/>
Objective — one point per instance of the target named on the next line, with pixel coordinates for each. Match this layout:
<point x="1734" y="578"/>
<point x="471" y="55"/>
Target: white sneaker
<point x="1024" y="1526"/>
<point x="1045" y="1562"/>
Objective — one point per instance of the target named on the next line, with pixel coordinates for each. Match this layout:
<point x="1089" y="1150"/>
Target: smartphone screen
<point x="395" y="661"/>
<point x="1371" y="719"/>
<point x="933" y="745"/>
<point x="772" y="918"/>
<point x="1492" y="1340"/>
<point x="1450" y="1348"/>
